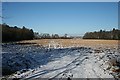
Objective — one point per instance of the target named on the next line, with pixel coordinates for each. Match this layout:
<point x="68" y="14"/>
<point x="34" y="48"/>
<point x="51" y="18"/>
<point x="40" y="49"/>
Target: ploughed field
<point x="61" y="58"/>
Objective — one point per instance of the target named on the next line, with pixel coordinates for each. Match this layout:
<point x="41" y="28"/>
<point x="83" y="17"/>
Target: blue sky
<point x="62" y="17"/>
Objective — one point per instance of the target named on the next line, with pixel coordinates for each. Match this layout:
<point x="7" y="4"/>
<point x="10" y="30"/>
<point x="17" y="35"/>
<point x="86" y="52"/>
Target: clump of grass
<point x="112" y="62"/>
<point x="115" y="65"/>
<point x="116" y="70"/>
<point x="118" y="76"/>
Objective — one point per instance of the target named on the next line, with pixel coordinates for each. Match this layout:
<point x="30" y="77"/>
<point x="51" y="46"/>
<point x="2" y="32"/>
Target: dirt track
<point x="68" y="62"/>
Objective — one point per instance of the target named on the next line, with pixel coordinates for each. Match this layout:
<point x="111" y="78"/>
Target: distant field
<point x="77" y="42"/>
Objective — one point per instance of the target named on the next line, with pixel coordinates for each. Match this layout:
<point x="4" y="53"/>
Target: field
<point x="77" y="42"/>
<point x="62" y="58"/>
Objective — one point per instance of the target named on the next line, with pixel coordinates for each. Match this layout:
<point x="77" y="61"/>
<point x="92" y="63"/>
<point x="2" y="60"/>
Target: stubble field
<point x="77" y="42"/>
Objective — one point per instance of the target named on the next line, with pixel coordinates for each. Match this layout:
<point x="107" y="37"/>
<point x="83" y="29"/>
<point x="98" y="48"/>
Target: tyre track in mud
<point x="70" y="66"/>
<point x="76" y="62"/>
<point x="67" y="67"/>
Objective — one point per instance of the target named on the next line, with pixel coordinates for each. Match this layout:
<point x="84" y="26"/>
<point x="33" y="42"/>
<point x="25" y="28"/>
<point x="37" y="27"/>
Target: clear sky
<point x="62" y="17"/>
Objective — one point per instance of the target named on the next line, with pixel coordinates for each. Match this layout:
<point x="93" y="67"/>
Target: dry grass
<point x="78" y="42"/>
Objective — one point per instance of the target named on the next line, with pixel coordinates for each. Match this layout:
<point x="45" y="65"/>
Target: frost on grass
<point x="36" y="61"/>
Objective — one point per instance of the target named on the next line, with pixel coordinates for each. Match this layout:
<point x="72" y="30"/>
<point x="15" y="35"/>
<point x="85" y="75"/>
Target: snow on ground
<point x="35" y="61"/>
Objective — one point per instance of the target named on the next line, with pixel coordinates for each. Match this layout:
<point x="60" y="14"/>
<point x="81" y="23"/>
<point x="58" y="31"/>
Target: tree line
<point x="53" y="36"/>
<point x="15" y="33"/>
<point x="102" y="34"/>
